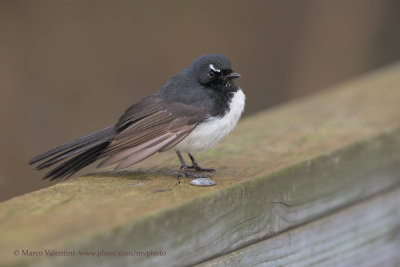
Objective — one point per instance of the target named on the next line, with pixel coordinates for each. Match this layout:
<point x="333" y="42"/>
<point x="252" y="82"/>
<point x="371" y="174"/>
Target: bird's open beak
<point x="232" y="75"/>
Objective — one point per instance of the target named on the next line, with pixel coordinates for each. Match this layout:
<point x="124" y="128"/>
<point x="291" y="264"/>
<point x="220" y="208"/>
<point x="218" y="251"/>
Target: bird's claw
<point x="190" y="175"/>
<point x="197" y="168"/>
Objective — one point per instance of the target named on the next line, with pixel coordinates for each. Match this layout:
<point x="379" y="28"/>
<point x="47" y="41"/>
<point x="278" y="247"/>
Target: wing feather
<point x="175" y="142"/>
<point x="157" y="131"/>
<point x="125" y="153"/>
<point x="144" y="153"/>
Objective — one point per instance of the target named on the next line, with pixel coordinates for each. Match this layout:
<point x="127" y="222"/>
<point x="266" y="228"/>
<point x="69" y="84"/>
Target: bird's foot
<point x="199" y="179"/>
<point x="196" y="166"/>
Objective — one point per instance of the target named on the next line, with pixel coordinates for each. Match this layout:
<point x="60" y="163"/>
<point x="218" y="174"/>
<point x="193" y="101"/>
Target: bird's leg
<point x="185" y="168"/>
<point x="196" y="166"/>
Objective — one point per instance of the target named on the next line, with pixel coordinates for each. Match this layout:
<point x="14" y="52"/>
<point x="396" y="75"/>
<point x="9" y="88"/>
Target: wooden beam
<point x="279" y="169"/>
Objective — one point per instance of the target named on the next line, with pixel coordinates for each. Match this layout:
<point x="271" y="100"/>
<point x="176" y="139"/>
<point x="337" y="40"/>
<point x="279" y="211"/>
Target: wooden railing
<point x="314" y="181"/>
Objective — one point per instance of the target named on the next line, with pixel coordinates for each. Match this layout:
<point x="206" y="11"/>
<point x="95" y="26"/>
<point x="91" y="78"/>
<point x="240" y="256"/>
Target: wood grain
<point x="366" y="234"/>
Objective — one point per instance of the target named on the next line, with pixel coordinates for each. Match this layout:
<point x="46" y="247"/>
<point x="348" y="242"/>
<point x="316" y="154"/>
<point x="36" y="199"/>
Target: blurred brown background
<point x="68" y="68"/>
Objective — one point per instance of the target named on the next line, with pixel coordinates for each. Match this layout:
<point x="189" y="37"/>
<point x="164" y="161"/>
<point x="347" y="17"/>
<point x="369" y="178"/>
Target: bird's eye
<point x="211" y="73"/>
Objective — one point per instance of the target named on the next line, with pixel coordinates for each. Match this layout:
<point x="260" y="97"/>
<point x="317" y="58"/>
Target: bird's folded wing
<point x="153" y="128"/>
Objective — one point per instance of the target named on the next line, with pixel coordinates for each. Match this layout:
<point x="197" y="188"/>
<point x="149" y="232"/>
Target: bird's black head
<point x="215" y="71"/>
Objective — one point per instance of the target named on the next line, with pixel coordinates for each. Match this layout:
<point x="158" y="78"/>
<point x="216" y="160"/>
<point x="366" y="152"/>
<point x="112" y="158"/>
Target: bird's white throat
<point x="210" y="132"/>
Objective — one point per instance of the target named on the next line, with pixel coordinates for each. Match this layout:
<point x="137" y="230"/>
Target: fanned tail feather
<point x="78" y="162"/>
<point x="89" y="149"/>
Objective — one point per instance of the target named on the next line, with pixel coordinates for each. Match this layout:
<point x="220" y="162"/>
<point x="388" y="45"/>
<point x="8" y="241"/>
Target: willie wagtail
<point x="191" y="112"/>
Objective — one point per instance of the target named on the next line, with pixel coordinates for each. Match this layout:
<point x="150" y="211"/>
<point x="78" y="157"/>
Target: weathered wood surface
<point x="279" y="169"/>
<point x="366" y="234"/>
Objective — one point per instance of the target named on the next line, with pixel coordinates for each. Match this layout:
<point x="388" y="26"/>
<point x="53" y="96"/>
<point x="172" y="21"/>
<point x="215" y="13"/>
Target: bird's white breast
<point x="210" y="132"/>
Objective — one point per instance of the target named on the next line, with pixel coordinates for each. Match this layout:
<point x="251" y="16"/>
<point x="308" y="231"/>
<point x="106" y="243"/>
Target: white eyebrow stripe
<point x="213" y="68"/>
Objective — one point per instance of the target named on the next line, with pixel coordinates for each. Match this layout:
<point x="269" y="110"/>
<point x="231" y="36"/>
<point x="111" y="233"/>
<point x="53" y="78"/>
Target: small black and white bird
<point x="191" y="112"/>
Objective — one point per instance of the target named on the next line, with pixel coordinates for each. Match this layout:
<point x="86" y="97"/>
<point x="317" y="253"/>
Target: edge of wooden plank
<point x="345" y="238"/>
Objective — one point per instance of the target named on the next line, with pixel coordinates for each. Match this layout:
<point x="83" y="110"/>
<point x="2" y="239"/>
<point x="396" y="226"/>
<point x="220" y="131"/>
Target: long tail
<point x="88" y="148"/>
